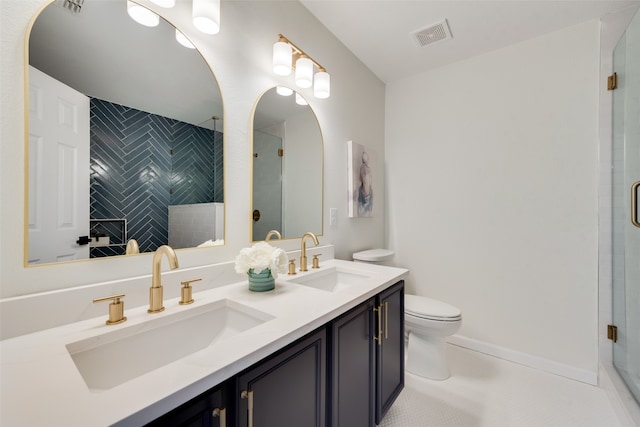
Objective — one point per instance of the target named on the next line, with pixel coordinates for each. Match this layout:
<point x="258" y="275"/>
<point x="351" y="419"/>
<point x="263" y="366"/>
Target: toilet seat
<point x="430" y="309"/>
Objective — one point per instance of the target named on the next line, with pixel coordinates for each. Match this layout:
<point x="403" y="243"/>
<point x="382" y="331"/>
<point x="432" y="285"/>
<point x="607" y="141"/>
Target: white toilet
<point x="427" y="323"/>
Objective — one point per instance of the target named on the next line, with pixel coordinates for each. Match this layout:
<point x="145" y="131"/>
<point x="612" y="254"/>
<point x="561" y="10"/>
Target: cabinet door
<point x="352" y="368"/>
<point x="288" y="389"/>
<point x="207" y="410"/>
<point x="390" y="351"/>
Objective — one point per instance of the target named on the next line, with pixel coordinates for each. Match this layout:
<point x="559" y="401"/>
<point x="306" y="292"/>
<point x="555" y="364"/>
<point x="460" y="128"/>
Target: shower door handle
<point x="634" y="204"/>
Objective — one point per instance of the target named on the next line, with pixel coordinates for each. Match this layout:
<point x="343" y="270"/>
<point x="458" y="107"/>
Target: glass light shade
<point x="304" y="72"/>
<point x="164" y="3"/>
<point x="322" y="85"/>
<point x="284" y="91"/>
<point x="300" y="100"/>
<point x="142" y="15"/>
<point x="183" y="40"/>
<point x="206" y="15"/>
<point x="282" y="54"/>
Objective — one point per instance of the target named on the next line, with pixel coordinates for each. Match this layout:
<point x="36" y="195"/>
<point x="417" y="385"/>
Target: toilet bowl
<point x="428" y="322"/>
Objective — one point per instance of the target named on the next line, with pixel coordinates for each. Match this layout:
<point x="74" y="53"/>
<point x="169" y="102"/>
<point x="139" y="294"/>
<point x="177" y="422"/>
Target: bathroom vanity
<point x="325" y="347"/>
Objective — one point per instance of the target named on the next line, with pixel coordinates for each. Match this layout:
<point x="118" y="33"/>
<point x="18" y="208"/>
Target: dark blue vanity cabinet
<point x="288" y="389"/>
<point x="214" y="408"/>
<point x="367" y="360"/>
<point x="352" y="368"/>
<point x="390" y="348"/>
<point x="347" y="373"/>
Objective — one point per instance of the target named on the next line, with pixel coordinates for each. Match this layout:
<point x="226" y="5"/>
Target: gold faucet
<point x="132" y="247"/>
<point x="272" y="233"/>
<point x="155" y="292"/>
<point x="303" y="249"/>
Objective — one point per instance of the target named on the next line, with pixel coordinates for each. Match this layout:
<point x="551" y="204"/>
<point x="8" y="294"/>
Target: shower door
<point x="626" y="215"/>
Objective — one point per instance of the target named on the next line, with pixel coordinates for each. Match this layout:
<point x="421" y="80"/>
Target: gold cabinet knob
<point x="186" y="291"/>
<point x="116" y="309"/>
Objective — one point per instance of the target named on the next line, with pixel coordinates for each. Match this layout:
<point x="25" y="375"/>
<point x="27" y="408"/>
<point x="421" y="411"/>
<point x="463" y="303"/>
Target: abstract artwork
<point x="361" y="160"/>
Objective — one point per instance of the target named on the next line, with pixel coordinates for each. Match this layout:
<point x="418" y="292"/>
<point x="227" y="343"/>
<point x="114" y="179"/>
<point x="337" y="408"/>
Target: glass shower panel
<point x="267" y="184"/>
<point x="626" y="218"/>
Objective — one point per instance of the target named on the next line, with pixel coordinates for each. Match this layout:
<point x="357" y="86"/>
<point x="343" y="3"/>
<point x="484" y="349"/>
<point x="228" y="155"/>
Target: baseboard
<point x="525" y="359"/>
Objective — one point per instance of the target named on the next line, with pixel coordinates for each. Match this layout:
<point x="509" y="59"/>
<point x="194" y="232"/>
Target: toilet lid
<point x="373" y="255"/>
<point x="427" y="308"/>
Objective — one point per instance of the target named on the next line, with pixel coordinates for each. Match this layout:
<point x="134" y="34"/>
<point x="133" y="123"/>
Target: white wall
<point x="240" y="56"/>
<point x="492" y="171"/>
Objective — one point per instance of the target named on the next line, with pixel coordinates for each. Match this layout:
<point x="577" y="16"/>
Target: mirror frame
<point x="252" y="238"/>
<point x="26" y="93"/>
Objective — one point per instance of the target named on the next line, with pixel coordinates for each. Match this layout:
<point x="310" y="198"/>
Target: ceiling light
<point x="183" y="40"/>
<point x="206" y="15"/>
<point x="284" y="91"/>
<point x="142" y="15"/>
<point x="304" y="72"/>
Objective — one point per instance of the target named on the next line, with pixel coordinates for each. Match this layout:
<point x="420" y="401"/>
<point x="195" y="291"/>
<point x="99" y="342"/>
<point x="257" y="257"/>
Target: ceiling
<point x="379" y="32"/>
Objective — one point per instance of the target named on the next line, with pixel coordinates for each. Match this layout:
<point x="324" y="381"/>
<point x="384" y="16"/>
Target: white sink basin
<point x="117" y="356"/>
<point x="332" y="279"/>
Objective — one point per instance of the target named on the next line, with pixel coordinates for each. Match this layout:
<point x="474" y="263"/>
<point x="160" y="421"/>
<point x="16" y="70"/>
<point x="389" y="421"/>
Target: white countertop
<point x="42" y="386"/>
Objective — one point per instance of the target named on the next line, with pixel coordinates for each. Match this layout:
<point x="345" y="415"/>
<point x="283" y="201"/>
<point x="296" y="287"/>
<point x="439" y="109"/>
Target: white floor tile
<point x="487" y="391"/>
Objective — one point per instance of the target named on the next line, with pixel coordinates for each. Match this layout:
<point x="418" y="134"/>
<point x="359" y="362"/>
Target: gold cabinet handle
<point x="634" y="204"/>
<point x="116" y="308"/>
<point x="379" y="334"/>
<point x="248" y="394"/>
<point x="222" y="413"/>
<point x="386" y="320"/>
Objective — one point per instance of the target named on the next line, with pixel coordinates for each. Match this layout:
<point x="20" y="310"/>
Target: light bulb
<point x="206" y="15"/>
<point x="304" y="72"/>
<point x="282" y="54"/>
<point x="322" y="85"/>
<point x="183" y="40"/>
<point x="142" y="15"/>
<point x="300" y="100"/>
<point x="284" y="91"/>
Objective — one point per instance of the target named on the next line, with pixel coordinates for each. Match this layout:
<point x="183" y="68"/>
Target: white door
<point x="58" y="170"/>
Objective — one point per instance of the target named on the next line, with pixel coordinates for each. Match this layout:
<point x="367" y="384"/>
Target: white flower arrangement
<point x="260" y="257"/>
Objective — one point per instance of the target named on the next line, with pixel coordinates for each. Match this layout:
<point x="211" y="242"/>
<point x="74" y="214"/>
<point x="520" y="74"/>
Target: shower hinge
<point x="280" y="152"/>
<point x="612" y="82"/>
<point x="612" y="333"/>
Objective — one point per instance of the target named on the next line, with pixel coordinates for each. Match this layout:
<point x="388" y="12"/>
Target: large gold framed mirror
<point x="124" y="137"/>
<point x="287" y="167"/>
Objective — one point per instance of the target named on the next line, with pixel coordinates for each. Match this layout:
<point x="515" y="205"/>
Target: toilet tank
<point x="375" y="256"/>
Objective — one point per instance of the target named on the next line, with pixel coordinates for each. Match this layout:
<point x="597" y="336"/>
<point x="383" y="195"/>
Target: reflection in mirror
<point x="287" y="168"/>
<point x="124" y="138"/>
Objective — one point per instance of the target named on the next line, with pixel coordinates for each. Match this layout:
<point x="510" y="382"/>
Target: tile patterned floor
<point x="487" y="391"/>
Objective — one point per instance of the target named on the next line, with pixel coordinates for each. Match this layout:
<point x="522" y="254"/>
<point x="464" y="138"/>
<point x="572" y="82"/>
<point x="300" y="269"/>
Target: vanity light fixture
<point x="206" y="15"/>
<point x="183" y="40"/>
<point x="142" y="15"/>
<point x="287" y="55"/>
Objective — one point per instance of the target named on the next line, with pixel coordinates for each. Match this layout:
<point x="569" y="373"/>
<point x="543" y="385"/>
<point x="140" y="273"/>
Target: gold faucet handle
<point x="316" y="262"/>
<point x="116" y="309"/>
<point x="186" y="291"/>
<point x="292" y="267"/>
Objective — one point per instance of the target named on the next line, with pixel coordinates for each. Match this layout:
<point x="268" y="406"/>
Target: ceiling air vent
<point x="432" y="34"/>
